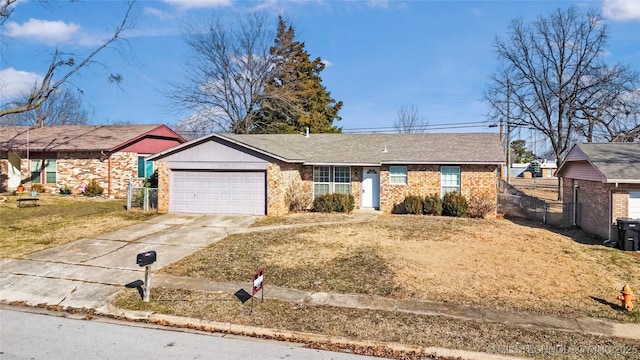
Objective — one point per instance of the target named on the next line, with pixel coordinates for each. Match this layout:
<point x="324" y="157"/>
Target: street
<point x="25" y="335"/>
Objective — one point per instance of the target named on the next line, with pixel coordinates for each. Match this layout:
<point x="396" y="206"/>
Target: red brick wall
<point x="75" y="169"/>
<point x="594" y="199"/>
<point x="422" y="180"/>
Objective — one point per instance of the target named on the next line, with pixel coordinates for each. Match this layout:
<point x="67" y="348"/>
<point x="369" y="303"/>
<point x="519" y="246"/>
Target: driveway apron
<point x="87" y="272"/>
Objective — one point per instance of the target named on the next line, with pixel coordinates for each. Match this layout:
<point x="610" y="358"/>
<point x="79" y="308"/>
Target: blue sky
<point x="434" y="55"/>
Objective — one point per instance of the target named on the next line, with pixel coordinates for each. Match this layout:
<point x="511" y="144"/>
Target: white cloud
<point x="157" y="13"/>
<point x="198" y="4"/>
<point x="50" y="32"/>
<point x="379" y="3"/>
<point x="15" y="83"/>
<point x="327" y="63"/>
<point x="621" y="10"/>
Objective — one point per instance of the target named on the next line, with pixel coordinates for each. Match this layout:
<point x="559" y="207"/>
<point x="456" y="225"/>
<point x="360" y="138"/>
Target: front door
<point x="370" y="188"/>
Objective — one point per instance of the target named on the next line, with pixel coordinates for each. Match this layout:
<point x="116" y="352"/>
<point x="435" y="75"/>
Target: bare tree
<point x="226" y="74"/>
<point x="62" y="62"/>
<point x="410" y="120"/>
<point x="552" y="78"/>
<point x="64" y="107"/>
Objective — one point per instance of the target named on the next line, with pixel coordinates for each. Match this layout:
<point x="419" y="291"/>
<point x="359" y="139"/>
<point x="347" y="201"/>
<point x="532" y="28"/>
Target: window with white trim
<point x="449" y="179"/>
<point x="342" y="180"/>
<point x="398" y="175"/>
<point x="331" y="179"/>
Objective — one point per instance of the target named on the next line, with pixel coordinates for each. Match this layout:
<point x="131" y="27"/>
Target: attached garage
<point x="634" y="204"/>
<point x="218" y="192"/>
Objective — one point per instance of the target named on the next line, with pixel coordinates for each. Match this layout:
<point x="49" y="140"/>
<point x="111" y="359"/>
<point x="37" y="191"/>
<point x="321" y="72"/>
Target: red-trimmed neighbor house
<point x="60" y="156"/>
<point x="263" y="174"/>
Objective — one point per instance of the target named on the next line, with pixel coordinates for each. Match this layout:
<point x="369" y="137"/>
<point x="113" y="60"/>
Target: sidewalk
<point x="89" y="272"/>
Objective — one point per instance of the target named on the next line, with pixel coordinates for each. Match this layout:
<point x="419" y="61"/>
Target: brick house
<point x="259" y="174"/>
<point x="601" y="183"/>
<point x="58" y="156"/>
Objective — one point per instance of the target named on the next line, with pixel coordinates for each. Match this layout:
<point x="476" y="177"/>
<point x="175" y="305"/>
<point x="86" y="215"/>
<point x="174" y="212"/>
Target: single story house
<point x="600" y="184"/>
<point x="58" y="156"/>
<point x="261" y="174"/>
<point x="547" y="169"/>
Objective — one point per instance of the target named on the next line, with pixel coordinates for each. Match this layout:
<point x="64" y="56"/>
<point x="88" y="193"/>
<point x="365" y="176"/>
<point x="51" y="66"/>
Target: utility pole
<point x="508" y="175"/>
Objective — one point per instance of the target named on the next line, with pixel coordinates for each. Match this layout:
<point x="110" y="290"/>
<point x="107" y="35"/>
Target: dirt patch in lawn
<point x="492" y="263"/>
<point x="59" y="220"/>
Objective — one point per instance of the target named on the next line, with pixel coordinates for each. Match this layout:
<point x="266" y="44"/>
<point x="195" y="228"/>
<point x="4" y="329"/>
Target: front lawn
<point x="59" y="220"/>
<point x="491" y="263"/>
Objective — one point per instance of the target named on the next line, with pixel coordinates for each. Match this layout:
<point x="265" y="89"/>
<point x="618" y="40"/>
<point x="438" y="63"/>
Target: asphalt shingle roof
<point x="377" y="148"/>
<point x="70" y="137"/>
<point x="616" y="161"/>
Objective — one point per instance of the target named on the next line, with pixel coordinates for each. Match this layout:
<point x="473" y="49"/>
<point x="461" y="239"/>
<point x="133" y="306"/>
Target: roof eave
<point x="622" y="181"/>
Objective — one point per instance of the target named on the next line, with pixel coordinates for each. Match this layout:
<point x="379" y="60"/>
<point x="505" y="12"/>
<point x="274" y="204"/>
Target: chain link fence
<point x="144" y="198"/>
<point x="512" y="202"/>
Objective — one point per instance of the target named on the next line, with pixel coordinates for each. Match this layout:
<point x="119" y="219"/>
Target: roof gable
<point x="616" y="162"/>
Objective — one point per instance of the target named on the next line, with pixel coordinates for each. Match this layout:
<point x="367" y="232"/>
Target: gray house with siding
<point x="600" y="184"/>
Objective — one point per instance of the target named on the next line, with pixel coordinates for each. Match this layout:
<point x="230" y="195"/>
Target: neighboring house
<point x="259" y="174"/>
<point x="600" y="184"/>
<point x="547" y="169"/>
<point x="57" y="156"/>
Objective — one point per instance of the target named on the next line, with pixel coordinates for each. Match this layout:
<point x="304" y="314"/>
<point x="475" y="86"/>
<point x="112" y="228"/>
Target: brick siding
<point x="593" y="202"/>
<point x="77" y="169"/>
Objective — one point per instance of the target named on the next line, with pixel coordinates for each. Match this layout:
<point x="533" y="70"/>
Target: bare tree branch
<point x="410" y="121"/>
<point x="42" y="90"/>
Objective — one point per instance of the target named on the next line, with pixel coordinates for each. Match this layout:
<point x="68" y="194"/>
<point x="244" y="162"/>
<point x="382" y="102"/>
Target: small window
<point x="450" y="179"/>
<point x="398" y="175"/>
<point x="145" y="168"/>
<point x="342" y="180"/>
<point x="321" y="180"/>
<point x="43" y="170"/>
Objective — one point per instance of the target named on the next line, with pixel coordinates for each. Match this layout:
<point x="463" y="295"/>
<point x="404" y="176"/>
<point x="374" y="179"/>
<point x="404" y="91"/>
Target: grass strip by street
<point x="58" y="220"/>
<point x="386" y="326"/>
<point x="495" y="264"/>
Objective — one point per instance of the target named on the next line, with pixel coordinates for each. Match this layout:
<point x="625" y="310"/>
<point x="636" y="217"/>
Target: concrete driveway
<point x="87" y="272"/>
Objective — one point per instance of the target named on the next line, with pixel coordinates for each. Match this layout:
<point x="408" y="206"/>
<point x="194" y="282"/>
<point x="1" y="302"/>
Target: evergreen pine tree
<point x="295" y="98"/>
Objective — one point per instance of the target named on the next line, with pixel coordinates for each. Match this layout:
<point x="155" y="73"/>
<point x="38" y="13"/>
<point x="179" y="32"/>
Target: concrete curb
<point x="298" y="337"/>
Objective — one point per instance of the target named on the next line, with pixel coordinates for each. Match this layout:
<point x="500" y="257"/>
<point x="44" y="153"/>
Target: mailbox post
<point x="146" y="259"/>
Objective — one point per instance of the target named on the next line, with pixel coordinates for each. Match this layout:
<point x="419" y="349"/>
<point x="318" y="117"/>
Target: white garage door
<point x="634" y="205"/>
<point x="217" y="192"/>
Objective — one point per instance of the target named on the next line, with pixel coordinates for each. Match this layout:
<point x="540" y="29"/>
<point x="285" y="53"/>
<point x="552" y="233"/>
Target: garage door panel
<point x="634" y="204"/>
<point x="218" y="192"/>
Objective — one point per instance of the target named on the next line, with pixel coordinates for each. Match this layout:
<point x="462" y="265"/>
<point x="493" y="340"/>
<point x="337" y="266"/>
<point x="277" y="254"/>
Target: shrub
<point x="481" y="204"/>
<point x="297" y="197"/>
<point x="152" y="181"/>
<point x="93" y="189"/>
<point x="334" y="203"/>
<point x="432" y="205"/>
<point x="413" y="205"/>
<point x="454" y="204"/>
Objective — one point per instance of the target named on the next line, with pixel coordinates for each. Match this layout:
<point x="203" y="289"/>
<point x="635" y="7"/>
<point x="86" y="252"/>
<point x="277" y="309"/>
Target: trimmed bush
<point x="433" y="205"/>
<point x="454" y="204"/>
<point x="413" y="205"/>
<point x="334" y="203"/>
<point x="481" y="204"/>
<point x="93" y="189"/>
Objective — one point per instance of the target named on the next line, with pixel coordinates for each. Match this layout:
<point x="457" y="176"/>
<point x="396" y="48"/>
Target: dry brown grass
<point x="405" y="328"/>
<point x="492" y="263"/>
<point x="59" y="220"/>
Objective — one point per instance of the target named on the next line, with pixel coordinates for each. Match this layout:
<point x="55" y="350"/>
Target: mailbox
<point x="146" y="258"/>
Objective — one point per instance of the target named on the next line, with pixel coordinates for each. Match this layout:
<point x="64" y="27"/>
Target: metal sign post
<point x="258" y="285"/>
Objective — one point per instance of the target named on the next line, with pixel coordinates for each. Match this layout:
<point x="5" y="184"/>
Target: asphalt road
<point x="25" y="335"/>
